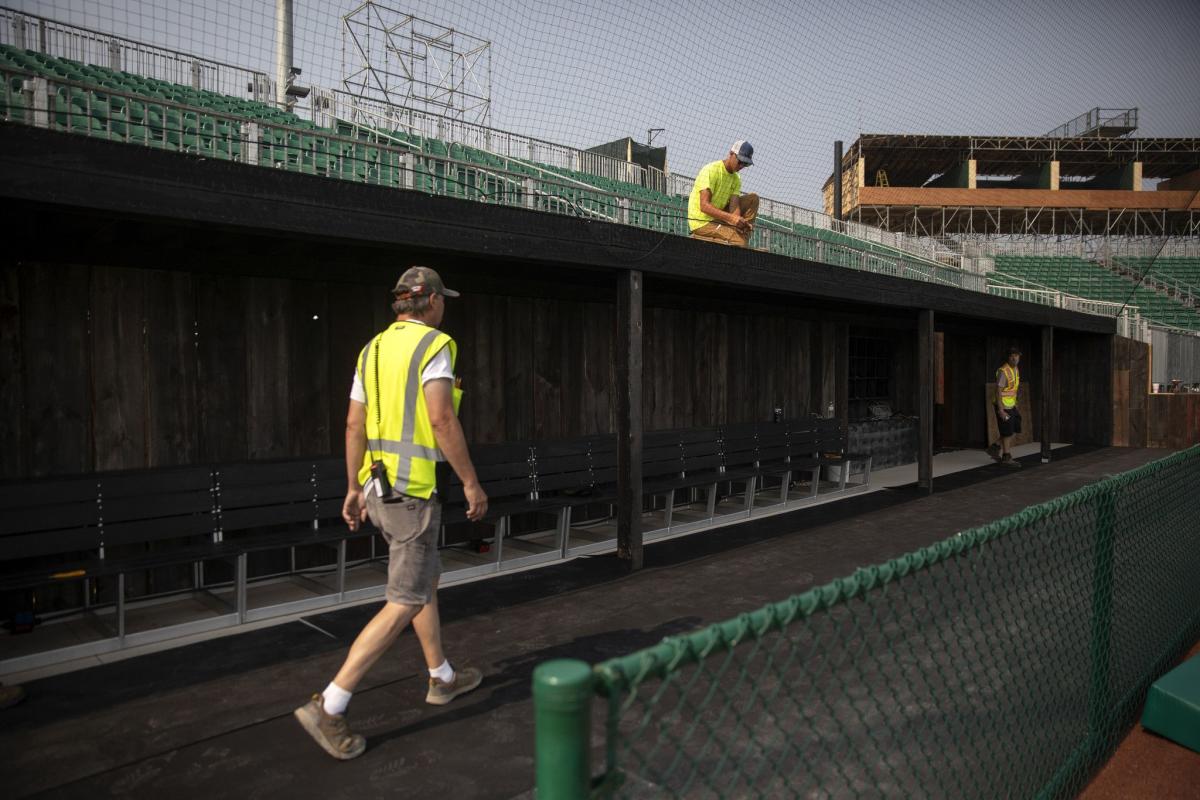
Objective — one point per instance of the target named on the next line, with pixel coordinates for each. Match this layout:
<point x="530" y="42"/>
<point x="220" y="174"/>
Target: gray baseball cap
<point x="744" y="151"/>
<point x="422" y="281"/>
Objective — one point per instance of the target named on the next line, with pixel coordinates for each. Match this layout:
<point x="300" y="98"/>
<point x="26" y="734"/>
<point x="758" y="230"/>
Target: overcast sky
<point x="789" y="76"/>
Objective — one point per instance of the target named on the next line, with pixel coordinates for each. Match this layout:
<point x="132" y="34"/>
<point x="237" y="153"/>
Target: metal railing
<point x="1096" y="120"/>
<point x="1130" y="322"/>
<point x="427" y="125"/>
<point x="1005" y="661"/>
<point x="917" y="246"/>
<point x="60" y="40"/>
<point x="1090" y="247"/>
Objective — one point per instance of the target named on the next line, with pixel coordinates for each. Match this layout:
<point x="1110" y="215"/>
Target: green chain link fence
<point x="1006" y="661"/>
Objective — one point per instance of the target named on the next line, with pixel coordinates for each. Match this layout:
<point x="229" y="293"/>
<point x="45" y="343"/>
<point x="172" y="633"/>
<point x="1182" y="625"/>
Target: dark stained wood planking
<point x="309" y="381"/>
<point x="236" y="368"/>
<point x="221" y="392"/>
<point x="548" y="352"/>
<point x="351" y="324"/>
<point x="518" y="385"/>
<point x="172" y="369"/>
<point x="119" y="381"/>
<point x="56" y="368"/>
<point x="13" y="463"/>
<point x="267" y="369"/>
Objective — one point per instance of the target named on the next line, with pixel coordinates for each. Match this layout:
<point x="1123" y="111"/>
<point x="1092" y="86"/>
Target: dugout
<point x="164" y="309"/>
<point x="256" y="272"/>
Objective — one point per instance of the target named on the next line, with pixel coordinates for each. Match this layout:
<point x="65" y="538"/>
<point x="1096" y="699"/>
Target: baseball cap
<point x="421" y="281"/>
<point x="744" y="151"/>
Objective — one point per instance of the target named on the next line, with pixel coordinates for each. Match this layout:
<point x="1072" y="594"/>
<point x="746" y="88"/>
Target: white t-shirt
<point x="438" y="367"/>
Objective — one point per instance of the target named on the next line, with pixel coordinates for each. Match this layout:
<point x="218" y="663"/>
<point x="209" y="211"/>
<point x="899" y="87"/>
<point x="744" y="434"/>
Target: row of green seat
<point x="1181" y="269"/>
<point x="1084" y="278"/>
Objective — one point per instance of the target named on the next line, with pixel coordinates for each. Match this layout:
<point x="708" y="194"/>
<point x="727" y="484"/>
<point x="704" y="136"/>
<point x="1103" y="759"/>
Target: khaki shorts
<point x="411" y="528"/>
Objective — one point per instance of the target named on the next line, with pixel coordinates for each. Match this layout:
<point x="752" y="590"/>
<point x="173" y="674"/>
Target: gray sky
<point x="790" y="77"/>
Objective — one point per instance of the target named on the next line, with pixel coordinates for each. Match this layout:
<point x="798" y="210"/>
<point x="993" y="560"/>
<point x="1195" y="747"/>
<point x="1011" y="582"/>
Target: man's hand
<point x="1004" y="415"/>
<point x="354" y="510"/>
<point x="477" y="501"/>
<point x="740" y="223"/>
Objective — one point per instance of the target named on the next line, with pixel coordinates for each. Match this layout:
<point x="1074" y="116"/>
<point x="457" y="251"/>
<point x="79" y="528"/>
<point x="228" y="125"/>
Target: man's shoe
<point x="993" y="450"/>
<point x="1009" y="461"/>
<point x="465" y="680"/>
<point x="330" y="731"/>
<point x="10" y="696"/>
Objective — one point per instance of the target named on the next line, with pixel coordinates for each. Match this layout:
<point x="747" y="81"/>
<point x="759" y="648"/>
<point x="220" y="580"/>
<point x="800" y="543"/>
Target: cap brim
<point x="450" y="293"/>
<point x="748" y="162"/>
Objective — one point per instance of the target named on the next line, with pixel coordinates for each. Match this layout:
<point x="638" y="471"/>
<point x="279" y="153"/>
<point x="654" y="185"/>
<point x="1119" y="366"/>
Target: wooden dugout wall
<point x="123" y="367"/>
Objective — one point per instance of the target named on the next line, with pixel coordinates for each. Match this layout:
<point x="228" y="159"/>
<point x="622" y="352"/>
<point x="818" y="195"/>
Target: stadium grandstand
<point x="746" y="536"/>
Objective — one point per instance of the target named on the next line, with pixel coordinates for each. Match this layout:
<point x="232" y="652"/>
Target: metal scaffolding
<point x="397" y="58"/>
<point x="942" y="221"/>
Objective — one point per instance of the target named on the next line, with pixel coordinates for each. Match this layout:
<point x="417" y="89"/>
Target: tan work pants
<point x="727" y="234"/>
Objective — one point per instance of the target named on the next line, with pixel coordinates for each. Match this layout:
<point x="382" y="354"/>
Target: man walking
<point x="717" y="209"/>
<point x="1008" y="417"/>
<point x="402" y="420"/>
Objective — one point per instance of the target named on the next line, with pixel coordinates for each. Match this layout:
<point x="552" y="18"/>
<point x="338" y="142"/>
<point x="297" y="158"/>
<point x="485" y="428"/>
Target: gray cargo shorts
<point x="411" y="528"/>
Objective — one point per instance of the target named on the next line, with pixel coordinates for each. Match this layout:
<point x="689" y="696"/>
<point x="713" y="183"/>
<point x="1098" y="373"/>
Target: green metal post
<point x="562" y="706"/>
<point x="1100" y="710"/>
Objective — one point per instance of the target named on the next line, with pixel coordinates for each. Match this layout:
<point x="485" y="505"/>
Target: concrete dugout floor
<point x="213" y="719"/>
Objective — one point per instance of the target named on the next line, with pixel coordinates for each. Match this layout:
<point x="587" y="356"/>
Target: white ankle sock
<point x="335" y="699"/>
<point x="444" y="673"/>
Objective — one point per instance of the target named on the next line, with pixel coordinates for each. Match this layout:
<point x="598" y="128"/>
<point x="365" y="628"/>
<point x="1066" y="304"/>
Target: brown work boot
<point x="330" y="731"/>
<point x="465" y="680"/>
<point x="1009" y="461"/>
<point x="993" y="450"/>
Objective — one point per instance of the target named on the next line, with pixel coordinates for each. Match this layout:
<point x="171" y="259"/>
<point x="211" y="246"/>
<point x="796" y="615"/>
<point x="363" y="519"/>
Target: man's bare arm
<point x="354" y="511"/>
<point x="708" y="208"/>
<point x="452" y="442"/>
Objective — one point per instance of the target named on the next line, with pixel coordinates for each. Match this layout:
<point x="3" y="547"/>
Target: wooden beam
<point x="628" y="375"/>
<point x="1047" y="410"/>
<point x="925" y="399"/>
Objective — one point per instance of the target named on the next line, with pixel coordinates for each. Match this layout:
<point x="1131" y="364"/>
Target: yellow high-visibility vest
<point x="1012" y="376"/>
<point x="398" y="429"/>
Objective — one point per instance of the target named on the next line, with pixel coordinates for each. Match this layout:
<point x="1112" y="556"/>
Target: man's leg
<point x="748" y="208"/>
<point x="748" y="203"/>
<point x="428" y="627"/>
<point x="718" y="232"/>
<point x="374" y="640"/>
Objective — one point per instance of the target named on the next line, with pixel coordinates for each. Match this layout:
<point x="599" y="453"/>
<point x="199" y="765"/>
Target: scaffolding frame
<point x="403" y="60"/>
<point x="939" y="222"/>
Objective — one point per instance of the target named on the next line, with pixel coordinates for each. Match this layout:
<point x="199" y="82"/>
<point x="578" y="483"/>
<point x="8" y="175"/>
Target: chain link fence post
<point x="1099" y="705"/>
<point x="562" y="704"/>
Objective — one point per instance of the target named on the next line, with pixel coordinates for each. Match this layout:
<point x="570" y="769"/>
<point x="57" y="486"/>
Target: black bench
<point x="832" y="443"/>
<point x="759" y="450"/>
<point x="128" y="525"/>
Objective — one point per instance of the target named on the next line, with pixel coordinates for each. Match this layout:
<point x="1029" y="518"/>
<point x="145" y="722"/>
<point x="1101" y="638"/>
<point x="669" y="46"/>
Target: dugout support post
<point x="925" y="378"/>
<point x="1047" y="405"/>
<point x="628" y="374"/>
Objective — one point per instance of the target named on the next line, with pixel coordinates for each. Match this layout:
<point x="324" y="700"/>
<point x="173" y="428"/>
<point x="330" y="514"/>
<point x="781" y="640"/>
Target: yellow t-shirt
<point x="723" y="184"/>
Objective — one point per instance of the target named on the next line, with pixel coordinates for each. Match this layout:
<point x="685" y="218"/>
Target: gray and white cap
<point x="744" y="151"/>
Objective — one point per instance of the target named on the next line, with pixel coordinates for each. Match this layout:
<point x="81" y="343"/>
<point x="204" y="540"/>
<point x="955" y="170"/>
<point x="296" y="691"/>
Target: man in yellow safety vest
<point x="403" y="419"/>
<point x="1008" y="416"/>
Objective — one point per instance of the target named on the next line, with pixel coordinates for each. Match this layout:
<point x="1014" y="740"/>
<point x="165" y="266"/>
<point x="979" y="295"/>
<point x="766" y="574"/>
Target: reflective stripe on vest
<point x="1012" y="377"/>
<point x="399" y="432"/>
